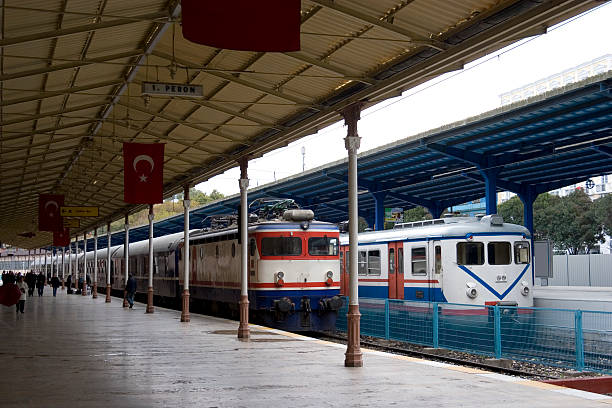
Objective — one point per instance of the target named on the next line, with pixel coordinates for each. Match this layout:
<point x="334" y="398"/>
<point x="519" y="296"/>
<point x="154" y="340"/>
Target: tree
<point x="417" y="213"/>
<point x="602" y="213"/>
<point x="512" y="211"/>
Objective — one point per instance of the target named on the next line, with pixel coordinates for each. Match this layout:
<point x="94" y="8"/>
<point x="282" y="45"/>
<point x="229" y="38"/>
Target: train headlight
<point x="525" y="288"/>
<point x="471" y="290"/>
<point x="330" y="274"/>
<point x="279" y="279"/>
<point x="330" y="278"/>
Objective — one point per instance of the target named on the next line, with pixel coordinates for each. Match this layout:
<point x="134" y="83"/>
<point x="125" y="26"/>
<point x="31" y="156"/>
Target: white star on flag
<point x="143" y="178"/>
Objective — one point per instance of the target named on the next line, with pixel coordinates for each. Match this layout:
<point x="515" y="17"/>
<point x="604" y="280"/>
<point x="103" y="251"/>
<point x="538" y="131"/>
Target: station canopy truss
<point x="547" y="142"/>
<point x="71" y="75"/>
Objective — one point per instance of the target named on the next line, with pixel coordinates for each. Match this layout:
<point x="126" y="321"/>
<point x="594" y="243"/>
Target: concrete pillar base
<point x="125" y="302"/>
<point x="150" y="308"/>
<point x="95" y="291"/>
<point x="108" y="294"/>
<point x="185" y="312"/>
<point x="84" y="288"/>
<point x="353" y="355"/>
<point x="243" y="328"/>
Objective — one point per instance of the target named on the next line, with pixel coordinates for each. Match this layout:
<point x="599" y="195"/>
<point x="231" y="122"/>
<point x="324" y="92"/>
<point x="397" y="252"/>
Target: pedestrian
<point x="31" y="282"/>
<point x="130" y="288"/>
<point x="40" y="283"/>
<point x="55" y="283"/>
<point x="69" y="284"/>
<point x="20" y="306"/>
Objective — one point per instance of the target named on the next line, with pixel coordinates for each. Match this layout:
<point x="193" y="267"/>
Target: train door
<point x="252" y="260"/>
<point x="396" y="270"/>
<point x="435" y="270"/>
<point x="344" y="271"/>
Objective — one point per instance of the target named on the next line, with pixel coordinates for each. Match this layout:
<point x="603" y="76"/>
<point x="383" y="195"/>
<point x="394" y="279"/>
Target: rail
<point x="574" y="339"/>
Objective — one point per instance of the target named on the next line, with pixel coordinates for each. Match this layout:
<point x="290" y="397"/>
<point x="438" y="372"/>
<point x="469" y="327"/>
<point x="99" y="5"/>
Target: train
<point x="293" y="270"/>
<point x="463" y="260"/>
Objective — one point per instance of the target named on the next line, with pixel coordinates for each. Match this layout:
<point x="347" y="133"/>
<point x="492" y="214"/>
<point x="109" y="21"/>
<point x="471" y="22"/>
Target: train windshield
<point x="323" y="246"/>
<point x="521" y="253"/>
<point x="281" y="246"/>
<point x="470" y="253"/>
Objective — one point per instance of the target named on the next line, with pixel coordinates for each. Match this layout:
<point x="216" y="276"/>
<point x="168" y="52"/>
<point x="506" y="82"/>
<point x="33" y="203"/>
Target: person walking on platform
<point x="40" y="283"/>
<point x="55" y="283"/>
<point x="31" y="282"/>
<point x="20" y="306"/>
<point x="130" y="288"/>
<point x="69" y="284"/>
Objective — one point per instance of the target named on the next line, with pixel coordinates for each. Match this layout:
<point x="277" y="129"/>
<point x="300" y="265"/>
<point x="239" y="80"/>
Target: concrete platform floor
<point x="74" y="351"/>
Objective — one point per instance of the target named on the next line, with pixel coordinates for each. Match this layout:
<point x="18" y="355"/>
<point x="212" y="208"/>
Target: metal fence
<point x="580" y="340"/>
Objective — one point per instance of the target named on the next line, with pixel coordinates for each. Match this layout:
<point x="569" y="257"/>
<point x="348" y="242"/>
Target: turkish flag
<point x="61" y="238"/>
<point x="49" y="218"/>
<point x="143" y="173"/>
<point x="246" y="25"/>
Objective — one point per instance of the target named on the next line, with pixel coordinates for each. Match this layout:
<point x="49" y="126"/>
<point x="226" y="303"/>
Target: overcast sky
<point x="446" y="99"/>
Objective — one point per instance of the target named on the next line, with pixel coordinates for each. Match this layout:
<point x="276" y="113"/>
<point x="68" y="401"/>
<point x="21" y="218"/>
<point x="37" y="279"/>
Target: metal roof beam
<point x="70" y="65"/>
<point x="27" y="118"/>
<point x="412" y="37"/>
<point x="47" y="130"/>
<point x="303" y="57"/>
<point x="85" y="28"/>
<point x="50" y="94"/>
<point x="243" y="82"/>
<point x="607" y="150"/>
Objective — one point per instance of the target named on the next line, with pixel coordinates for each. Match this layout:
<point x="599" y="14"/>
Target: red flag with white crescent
<point x="61" y="238"/>
<point x="143" y="173"/>
<point x="49" y="218"/>
<point x="246" y="25"/>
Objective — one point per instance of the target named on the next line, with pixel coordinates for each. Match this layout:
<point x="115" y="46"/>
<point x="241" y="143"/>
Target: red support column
<point x="108" y="263"/>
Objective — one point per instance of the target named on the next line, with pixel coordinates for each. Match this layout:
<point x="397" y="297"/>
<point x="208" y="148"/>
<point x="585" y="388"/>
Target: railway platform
<point x="75" y="351"/>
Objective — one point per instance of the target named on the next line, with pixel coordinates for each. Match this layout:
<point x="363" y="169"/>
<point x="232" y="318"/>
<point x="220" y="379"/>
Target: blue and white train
<point x="465" y="260"/>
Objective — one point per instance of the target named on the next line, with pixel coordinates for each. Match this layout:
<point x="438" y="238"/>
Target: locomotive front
<point x="294" y="272"/>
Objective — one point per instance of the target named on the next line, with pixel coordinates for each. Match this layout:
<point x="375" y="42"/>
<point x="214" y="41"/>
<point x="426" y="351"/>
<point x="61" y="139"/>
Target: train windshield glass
<point x="323" y="246"/>
<point x="281" y="246"/>
<point x="521" y="253"/>
<point x="498" y="253"/>
<point x="470" y="253"/>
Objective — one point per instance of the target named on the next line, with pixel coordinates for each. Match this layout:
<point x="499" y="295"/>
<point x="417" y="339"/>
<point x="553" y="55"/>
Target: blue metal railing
<point x="580" y="340"/>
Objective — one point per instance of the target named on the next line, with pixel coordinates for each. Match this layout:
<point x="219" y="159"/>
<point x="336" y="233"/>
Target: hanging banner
<point x="169" y="89"/>
<point x="49" y="218"/>
<point x="61" y="238"/>
<point x="143" y="173"/>
<point x="79" y="212"/>
<point x="246" y="25"/>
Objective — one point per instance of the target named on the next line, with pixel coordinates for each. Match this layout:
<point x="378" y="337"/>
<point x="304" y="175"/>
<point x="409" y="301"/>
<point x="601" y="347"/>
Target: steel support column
<point x="379" y="210"/>
<point x="243" y="328"/>
<point x="63" y="267"/>
<point x="528" y="197"/>
<point x="150" y="308"/>
<point x="108" y="263"/>
<point x="94" y="290"/>
<point x="353" y="355"/>
<point x="490" y="177"/>
<point x="84" y="286"/>
<point x="435" y="211"/>
<point x="126" y="260"/>
<point x="186" y="259"/>
<point x="75" y="281"/>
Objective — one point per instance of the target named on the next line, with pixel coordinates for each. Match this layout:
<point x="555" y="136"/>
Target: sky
<point x="451" y="97"/>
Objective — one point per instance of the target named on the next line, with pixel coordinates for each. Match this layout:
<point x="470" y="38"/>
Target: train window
<point x="217" y="251"/>
<point x="373" y="262"/>
<point x="400" y="260"/>
<point x="419" y="261"/>
<point x="281" y="246"/>
<point x="362" y="268"/>
<point x="233" y="250"/>
<point x="498" y="253"/>
<point x="438" y="251"/>
<point x="323" y="246"/>
<point x="470" y="253"/>
<point x="521" y="253"/>
<point x="252" y="247"/>
<point x="201" y="252"/>
<point x="391" y="260"/>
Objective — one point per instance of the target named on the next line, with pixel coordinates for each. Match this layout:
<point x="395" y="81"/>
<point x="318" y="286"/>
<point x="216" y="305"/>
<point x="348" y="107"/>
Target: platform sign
<point x="169" y="89"/>
<point x="79" y="211"/>
<point x="72" y="223"/>
<point x="394" y="215"/>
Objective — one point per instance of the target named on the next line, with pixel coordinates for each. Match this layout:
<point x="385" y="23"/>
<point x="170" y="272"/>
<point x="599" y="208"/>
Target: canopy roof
<point x="72" y="72"/>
